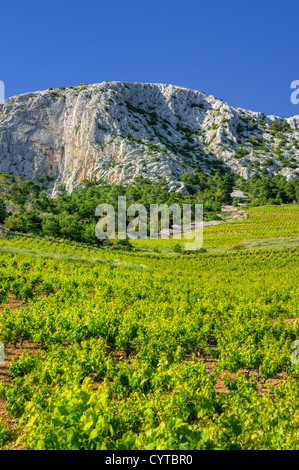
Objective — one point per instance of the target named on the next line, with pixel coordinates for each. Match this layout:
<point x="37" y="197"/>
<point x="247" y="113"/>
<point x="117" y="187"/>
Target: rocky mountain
<point x="118" y="130"/>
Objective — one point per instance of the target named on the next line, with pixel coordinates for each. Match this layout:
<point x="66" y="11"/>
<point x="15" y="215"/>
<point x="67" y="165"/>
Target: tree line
<point x="26" y="207"/>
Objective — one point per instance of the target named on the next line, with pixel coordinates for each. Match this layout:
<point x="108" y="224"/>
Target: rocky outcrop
<point x="117" y="131"/>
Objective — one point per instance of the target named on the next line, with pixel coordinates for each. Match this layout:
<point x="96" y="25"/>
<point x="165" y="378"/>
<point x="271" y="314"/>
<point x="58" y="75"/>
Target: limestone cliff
<point x="117" y="130"/>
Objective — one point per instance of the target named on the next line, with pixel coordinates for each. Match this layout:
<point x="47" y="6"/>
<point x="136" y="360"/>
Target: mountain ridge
<point x="115" y="131"/>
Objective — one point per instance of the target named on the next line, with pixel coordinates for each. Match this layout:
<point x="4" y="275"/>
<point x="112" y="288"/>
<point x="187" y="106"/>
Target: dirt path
<point x="232" y="214"/>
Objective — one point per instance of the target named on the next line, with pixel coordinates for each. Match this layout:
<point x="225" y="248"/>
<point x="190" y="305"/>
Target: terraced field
<point x="267" y="224"/>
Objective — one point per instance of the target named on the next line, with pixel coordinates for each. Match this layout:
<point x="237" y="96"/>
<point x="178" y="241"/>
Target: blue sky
<point x="243" y="52"/>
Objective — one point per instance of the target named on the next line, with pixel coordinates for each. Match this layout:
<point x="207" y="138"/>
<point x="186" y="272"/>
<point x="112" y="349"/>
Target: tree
<point x="88" y="234"/>
<point x="70" y="227"/>
<point x="3" y="211"/>
<point x="15" y="223"/>
<point x="191" y="181"/>
<point x="224" y="187"/>
<point x="50" y="226"/>
<point x="44" y="203"/>
<point x="32" y="222"/>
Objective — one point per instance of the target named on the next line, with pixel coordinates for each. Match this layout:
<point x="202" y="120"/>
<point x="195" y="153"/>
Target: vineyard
<point x="266" y="223"/>
<point x="153" y="349"/>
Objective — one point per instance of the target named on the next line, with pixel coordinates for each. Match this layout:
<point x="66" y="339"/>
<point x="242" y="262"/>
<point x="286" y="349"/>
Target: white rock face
<point x="117" y="131"/>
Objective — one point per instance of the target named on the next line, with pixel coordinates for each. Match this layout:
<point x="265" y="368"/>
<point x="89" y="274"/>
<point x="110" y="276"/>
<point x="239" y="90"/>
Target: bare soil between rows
<point x="14" y="351"/>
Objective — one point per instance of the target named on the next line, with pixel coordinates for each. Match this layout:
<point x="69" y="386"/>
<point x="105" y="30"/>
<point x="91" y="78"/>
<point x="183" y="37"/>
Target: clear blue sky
<point x="245" y="52"/>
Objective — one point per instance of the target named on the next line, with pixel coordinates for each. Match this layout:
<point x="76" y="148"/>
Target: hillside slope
<point x="117" y="130"/>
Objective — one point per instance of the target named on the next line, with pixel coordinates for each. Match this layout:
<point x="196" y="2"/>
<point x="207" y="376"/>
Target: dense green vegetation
<point x="276" y="226"/>
<point x="150" y="347"/>
<point x="276" y="190"/>
<point x="72" y="216"/>
<point x="146" y="350"/>
<point x="25" y="206"/>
